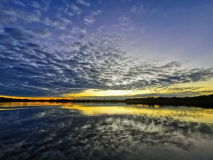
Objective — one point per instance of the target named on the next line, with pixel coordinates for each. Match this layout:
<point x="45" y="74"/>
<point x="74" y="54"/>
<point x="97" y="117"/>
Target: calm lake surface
<point x="105" y="131"/>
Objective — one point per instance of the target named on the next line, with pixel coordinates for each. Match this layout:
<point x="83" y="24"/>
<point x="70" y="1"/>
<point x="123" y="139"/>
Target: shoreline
<point x="206" y="101"/>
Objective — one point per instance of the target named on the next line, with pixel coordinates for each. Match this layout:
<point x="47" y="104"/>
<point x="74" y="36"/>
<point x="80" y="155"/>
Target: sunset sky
<point x="106" y="48"/>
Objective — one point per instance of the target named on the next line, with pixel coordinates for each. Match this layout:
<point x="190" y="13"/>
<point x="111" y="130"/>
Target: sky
<point x="106" y="49"/>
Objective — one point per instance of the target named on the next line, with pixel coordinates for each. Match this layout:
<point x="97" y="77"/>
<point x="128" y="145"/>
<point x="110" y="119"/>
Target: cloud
<point x="91" y="18"/>
<point x="77" y="30"/>
<point x="97" y="12"/>
<point x="42" y="5"/>
<point x="29" y="67"/>
<point x="176" y="92"/>
<point x="137" y="9"/>
<point x="51" y="54"/>
<point x="42" y="33"/>
<point x="49" y="22"/>
<point x="75" y="9"/>
<point x="82" y="2"/>
<point x="64" y="20"/>
<point x="16" y="34"/>
<point x="19" y="3"/>
<point x="35" y="5"/>
<point x="123" y="20"/>
<point x="37" y="15"/>
<point x="10" y="15"/>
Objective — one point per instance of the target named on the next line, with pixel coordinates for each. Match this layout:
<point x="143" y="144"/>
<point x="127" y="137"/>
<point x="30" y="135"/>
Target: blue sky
<point x="78" y="48"/>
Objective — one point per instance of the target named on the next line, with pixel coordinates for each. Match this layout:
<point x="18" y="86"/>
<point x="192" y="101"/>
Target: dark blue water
<point x="67" y="131"/>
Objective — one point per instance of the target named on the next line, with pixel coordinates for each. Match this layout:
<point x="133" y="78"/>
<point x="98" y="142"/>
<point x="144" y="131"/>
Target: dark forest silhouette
<point x="204" y="100"/>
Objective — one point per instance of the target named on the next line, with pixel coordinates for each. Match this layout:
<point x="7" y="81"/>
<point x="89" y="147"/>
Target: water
<point x="104" y="131"/>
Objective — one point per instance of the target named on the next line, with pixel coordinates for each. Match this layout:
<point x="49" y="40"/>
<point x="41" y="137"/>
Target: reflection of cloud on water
<point x="58" y="133"/>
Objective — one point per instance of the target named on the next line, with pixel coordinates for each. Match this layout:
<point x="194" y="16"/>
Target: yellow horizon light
<point x="105" y="93"/>
<point x="195" y="88"/>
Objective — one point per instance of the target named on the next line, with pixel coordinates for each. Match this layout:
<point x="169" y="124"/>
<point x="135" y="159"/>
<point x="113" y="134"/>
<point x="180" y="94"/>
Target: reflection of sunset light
<point x="156" y="106"/>
<point x="180" y="113"/>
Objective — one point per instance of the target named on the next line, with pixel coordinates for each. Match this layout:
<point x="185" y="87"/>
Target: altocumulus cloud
<point x="46" y="54"/>
<point x="29" y="68"/>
